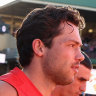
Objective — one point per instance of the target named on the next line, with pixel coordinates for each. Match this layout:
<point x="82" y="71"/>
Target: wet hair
<point x="43" y="24"/>
<point x="86" y="62"/>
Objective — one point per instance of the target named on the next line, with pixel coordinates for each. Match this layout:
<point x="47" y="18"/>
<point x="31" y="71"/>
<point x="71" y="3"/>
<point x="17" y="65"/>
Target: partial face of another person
<point x="77" y="86"/>
<point x="62" y="60"/>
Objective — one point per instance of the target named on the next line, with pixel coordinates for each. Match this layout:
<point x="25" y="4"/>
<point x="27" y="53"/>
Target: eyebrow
<point x="83" y="79"/>
<point x="71" y="40"/>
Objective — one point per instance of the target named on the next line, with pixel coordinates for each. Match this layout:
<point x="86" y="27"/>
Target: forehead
<point x="70" y="32"/>
<point x="84" y="73"/>
<point x="67" y="26"/>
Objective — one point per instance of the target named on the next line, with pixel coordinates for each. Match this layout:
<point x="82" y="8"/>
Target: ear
<point x="38" y="47"/>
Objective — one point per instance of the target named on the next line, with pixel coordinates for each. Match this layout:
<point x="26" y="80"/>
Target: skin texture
<point x="67" y="45"/>
<point x="10" y="91"/>
<point x="56" y="65"/>
<point x="77" y="87"/>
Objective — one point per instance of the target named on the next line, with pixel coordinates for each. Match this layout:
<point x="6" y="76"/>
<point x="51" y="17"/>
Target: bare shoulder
<point x="7" y="90"/>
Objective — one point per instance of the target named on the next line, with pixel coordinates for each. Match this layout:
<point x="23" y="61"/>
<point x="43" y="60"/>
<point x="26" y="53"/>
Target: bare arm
<point x="7" y="90"/>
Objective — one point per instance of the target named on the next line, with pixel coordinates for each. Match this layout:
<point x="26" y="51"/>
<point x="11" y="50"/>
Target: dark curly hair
<point x="86" y="62"/>
<point x="43" y="23"/>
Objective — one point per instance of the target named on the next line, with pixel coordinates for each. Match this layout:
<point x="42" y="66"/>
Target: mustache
<point x="76" y="64"/>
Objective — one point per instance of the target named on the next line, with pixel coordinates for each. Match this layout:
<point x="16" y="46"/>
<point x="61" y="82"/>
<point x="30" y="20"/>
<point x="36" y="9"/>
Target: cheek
<point x="70" y="51"/>
<point x="76" y="83"/>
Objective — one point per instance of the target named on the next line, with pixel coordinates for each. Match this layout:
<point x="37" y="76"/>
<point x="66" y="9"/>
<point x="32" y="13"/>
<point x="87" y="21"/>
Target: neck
<point x="36" y="75"/>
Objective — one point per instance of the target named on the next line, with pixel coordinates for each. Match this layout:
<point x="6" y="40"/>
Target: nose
<point x="80" y="57"/>
<point x="83" y="87"/>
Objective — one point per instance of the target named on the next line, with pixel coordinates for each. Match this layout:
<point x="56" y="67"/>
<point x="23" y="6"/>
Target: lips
<point x="76" y="67"/>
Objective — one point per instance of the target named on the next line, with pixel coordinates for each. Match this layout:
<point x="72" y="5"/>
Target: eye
<point x="72" y="45"/>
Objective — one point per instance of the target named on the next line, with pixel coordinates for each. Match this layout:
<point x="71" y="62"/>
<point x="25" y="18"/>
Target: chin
<point x="63" y="81"/>
<point x="67" y="83"/>
<point x="72" y="79"/>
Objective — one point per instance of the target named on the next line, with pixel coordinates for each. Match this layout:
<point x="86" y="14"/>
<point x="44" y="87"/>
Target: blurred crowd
<point x="90" y="48"/>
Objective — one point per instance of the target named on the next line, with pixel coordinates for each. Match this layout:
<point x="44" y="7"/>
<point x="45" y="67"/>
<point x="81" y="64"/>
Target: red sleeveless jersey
<point x="20" y="82"/>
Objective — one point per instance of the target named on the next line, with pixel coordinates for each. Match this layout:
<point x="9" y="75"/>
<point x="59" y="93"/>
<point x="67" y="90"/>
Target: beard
<point x="61" y="79"/>
<point x="56" y="76"/>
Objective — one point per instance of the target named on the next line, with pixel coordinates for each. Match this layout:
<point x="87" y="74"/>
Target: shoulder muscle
<point x="7" y="90"/>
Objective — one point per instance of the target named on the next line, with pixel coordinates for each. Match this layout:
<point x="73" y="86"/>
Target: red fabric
<point x="19" y="80"/>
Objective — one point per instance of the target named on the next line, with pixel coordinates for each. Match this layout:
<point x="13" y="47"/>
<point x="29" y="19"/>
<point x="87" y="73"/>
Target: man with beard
<point x="79" y="84"/>
<point x="49" y="47"/>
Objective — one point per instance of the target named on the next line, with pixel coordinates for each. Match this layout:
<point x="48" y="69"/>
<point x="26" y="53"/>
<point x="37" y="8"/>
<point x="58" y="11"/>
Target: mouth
<point x="76" y="67"/>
